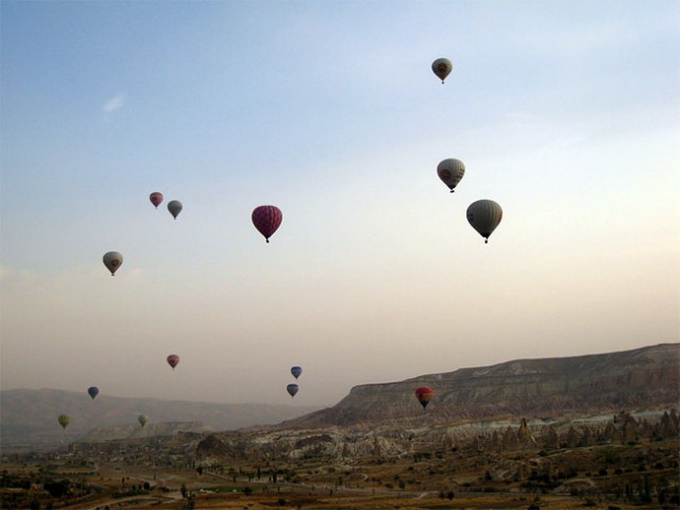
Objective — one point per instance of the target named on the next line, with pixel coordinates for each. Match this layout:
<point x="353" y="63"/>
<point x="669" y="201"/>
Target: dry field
<point x="347" y="501"/>
<point x="210" y="491"/>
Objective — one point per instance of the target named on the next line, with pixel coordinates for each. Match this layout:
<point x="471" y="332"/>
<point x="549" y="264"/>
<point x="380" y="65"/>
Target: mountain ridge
<point x="645" y="377"/>
<point x="29" y="417"/>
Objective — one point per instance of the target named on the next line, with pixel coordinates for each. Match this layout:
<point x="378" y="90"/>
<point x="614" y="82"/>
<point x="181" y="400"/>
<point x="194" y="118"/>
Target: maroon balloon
<point x="424" y="395"/>
<point x="156" y="198"/>
<point x="173" y="360"/>
<point x="267" y="218"/>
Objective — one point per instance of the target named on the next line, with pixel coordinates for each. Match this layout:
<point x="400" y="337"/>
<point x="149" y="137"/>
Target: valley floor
<point x="185" y="490"/>
<point x="353" y="501"/>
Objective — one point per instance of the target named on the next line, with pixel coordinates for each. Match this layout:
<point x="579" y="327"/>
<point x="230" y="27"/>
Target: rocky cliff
<point x="645" y="378"/>
<point x="134" y="431"/>
<point x="334" y="445"/>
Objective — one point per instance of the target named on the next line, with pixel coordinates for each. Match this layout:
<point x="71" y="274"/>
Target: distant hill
<point x="28" y="418"/>
<point x="642" y="379"/>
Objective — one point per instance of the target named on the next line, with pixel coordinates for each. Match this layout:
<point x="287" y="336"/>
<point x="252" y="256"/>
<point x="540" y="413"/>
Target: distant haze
<point x="566" y="114"/>
<point x="29" y="417"/>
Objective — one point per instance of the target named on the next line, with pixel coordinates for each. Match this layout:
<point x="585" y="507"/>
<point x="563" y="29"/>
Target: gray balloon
<point x="175" y="207"/>
<point x="451" y="171"/>
<point x="113" y="260"/>
<point x="484" y="216"/>
<point x="442" y="68"/>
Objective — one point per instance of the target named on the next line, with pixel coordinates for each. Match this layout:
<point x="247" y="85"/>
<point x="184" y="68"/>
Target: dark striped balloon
<point x="484" y="216"/>
<point x="267" y="218"/>
<point x="292" y="389"/>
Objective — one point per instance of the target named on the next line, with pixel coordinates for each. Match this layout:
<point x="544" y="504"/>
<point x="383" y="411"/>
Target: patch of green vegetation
<point x="234" y="488"/>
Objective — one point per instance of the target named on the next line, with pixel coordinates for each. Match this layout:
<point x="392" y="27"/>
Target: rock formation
<point x="646" y="378"/>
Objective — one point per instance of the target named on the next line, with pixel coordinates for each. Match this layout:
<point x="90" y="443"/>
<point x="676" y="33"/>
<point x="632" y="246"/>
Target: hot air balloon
<point x="175" y="207"/>
<point x="93" y="391"/>
<point x="267" y="218"/>
<point x="292" y="389"/>
<point x="484" y="216"/>
<point x="424" y="395"/>
<point x="64" y="420"/>
<point x="442" y="68"/>
<point x="451" y="171"/>
<point x="156" y="198"/>
<point x="142" y="420"/>
<point x="112" y="261"/>
<point x="296" y="371"/>
<point x="173" y="360"/>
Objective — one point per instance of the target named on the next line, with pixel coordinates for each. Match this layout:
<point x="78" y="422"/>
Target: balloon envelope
<point x="292" y="389"/>
<point x="113" y="260"/>
<point x="484" y="216"/>
<point x="156" y="198"/>
<point x="442" y="68"/>
<point x="296" y="371"/>
<point x="173" y="360"/>
<point x="424" y="395"/>
<point x="93" y="391"/>
<point x="64" y="420"/>
<point x="175" y="207"/>
<point x="451" y="171"/>
<point x="267" y="218"/>
<point x="142" y="419"/>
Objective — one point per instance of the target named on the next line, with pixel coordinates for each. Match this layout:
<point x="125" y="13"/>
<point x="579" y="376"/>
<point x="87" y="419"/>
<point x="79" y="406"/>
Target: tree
<point x="57" y="489"/>
<point x="550" y="438"/>
<point x="646" y="495"/>
<point x="572" y="437"/>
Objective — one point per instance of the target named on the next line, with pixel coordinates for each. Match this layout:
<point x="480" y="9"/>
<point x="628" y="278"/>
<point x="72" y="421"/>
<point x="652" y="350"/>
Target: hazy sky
<point x="566" y="113"/>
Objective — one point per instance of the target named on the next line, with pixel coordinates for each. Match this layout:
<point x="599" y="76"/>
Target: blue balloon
<point x="292" y="389"/>
<point x="296" y="371"/>
<point x="93" y="391"/>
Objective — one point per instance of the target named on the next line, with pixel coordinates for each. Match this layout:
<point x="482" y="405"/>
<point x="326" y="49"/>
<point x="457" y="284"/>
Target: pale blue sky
<point x="566" y="113"/>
